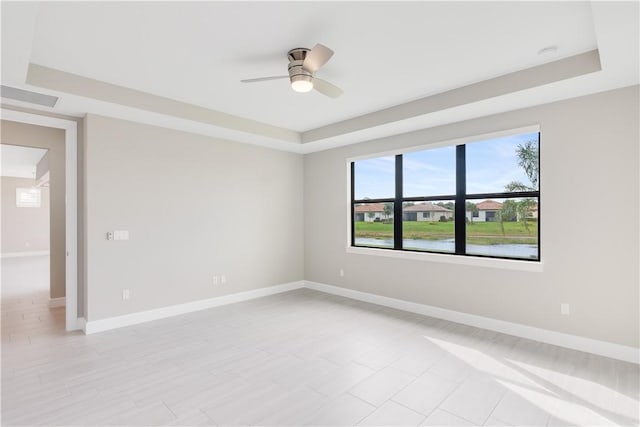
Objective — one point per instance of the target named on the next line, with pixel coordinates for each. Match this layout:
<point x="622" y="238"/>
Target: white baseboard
<point x="94" y="326"/>
<point x="603" y="348"/>
<point x="21" y="254"/>
<point x="57" y="302"/>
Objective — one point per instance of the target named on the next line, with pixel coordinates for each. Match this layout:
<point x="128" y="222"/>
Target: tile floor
<point x="298" y="358"/>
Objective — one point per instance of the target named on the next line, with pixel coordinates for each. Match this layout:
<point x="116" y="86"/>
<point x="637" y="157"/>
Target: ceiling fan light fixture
<point x="301" y="83"/>
<point x="303" y="63"/>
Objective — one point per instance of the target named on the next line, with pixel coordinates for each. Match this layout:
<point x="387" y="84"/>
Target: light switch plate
<point x="121" y="234"/>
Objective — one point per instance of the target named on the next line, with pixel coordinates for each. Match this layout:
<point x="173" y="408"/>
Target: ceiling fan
<point x="303" y="64"/>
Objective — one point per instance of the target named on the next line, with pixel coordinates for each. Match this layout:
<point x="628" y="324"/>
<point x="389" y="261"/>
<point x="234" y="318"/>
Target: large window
<point x="479" y="198"/>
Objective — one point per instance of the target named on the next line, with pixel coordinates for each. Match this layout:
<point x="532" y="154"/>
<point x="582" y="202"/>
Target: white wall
<point x="23" y="229"/>
<point x="589" y="154"/>
<point x="189" y="204"/>
<point x="482" y="216"/>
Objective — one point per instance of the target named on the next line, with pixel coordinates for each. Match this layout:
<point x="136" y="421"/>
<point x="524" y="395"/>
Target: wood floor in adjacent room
<point x="297" y="358"/>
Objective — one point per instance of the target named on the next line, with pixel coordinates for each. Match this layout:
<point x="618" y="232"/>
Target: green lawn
<point x="484" y="233"/>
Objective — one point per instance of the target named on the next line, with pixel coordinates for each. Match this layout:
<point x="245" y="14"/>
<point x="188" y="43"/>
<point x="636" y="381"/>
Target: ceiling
<point x="402" y="65"/>
<point x="20" y="162"/>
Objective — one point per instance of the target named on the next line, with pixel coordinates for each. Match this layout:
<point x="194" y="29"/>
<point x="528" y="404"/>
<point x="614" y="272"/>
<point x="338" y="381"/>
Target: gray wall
<point x="589" y="159"/>
<point x="23" y="229"/>
<point x="194" y="206"/>
<point x="42" y="167"/>
<point x="53" y="139"/>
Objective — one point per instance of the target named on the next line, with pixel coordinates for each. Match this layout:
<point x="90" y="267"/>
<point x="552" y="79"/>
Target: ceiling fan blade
<point x="316" y="58"/>
<point x="326" y="88"/>
<point x="264" y="79"/>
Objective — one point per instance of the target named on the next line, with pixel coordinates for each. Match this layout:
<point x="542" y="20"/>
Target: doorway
<point x="69" y="238"/>
<point x="30" y="301"/>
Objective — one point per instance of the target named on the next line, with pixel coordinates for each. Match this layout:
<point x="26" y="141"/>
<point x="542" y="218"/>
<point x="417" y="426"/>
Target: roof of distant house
<point x="489" y="205"/>
<point x="426" y="207"/>
<point x="370" y="207"/>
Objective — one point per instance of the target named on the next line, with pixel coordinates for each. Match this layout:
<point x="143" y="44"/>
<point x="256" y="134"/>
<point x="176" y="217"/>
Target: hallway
<point x="25" y="300"/>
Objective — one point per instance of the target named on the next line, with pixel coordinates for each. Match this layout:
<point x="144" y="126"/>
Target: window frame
<point x="460" y="199"/>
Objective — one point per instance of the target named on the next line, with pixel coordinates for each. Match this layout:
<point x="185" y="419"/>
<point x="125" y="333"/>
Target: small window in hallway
<point x="28" y="197"/>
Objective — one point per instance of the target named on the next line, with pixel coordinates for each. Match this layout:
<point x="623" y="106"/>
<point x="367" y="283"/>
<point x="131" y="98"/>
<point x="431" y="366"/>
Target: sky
<point x="491" y="164"/>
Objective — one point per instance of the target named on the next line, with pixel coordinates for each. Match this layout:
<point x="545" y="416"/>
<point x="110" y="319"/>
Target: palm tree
<point x="528" y="156"/>
<point x="528" y="159"/>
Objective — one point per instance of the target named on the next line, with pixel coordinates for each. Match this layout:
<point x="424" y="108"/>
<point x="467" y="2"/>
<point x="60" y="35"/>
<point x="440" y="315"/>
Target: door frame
<point x="70" y="127"/>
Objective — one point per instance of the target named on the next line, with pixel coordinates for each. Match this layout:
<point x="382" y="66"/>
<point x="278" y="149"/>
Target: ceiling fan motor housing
<point x="296" y="59"/>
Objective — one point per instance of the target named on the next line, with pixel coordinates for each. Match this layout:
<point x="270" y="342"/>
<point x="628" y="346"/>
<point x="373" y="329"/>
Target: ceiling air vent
<point x="28" y="96"/>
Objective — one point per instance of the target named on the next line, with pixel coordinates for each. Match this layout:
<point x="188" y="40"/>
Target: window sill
<point x="507" y="264"/>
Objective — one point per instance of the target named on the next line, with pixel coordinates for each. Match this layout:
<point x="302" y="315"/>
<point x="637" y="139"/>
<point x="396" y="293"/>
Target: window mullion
<point x="397" y="206"/>
<point x="353" y="204"/>
<point x="460" y="208"/>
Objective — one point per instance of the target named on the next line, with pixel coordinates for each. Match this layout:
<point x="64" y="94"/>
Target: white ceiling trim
<point x="247" y="130"/>
<point x="61" y="81"/>
<point x="616" y="29"/>
<point x="563" y="69"/>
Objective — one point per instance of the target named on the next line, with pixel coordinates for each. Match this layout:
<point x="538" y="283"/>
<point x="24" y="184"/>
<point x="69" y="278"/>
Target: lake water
<point x="448" y="245"/>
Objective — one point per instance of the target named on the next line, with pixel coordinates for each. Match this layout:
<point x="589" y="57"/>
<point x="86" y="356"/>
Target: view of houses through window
<point x="494" y="183"/>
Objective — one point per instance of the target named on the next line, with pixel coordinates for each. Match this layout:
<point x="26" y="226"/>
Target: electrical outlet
<point x="341" y="272"/>
<point x="565" y="309"/>
<point x="109" y="235"/>
<point x="223" y="279"/>
<point x="215" y="280"/>
<point x="126" y="294"/>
